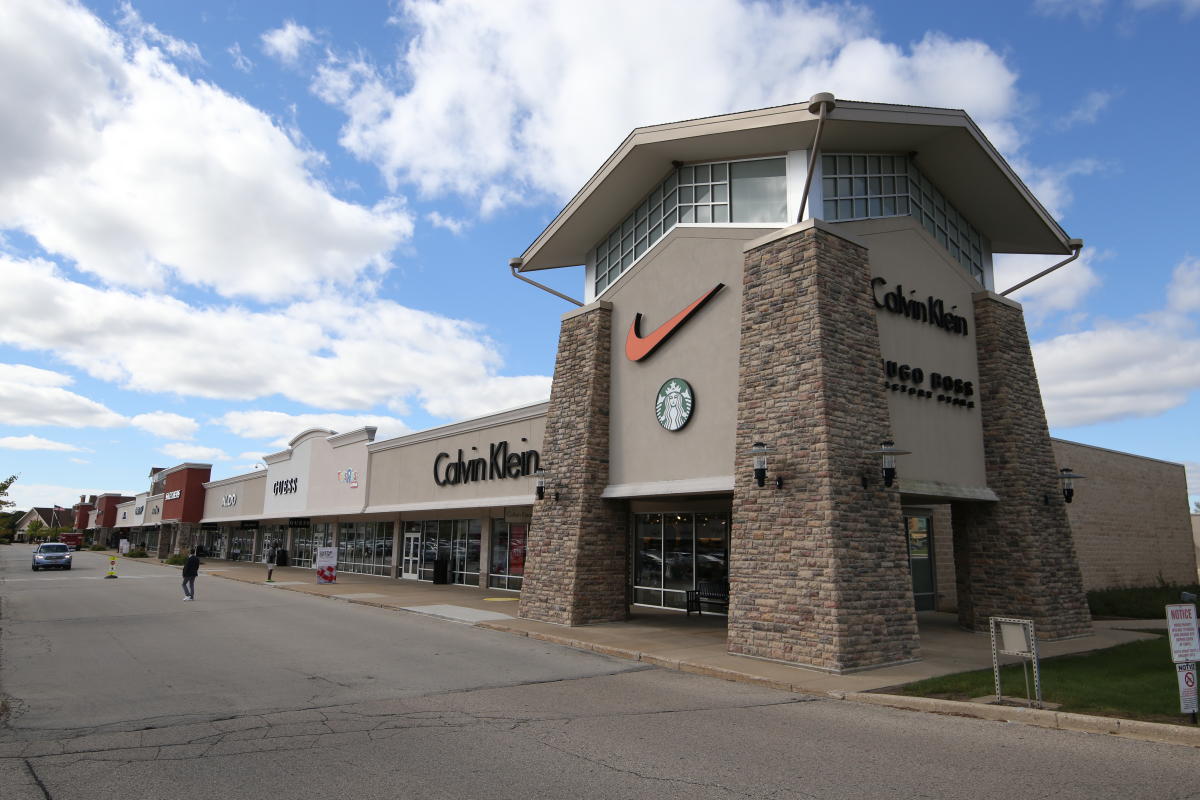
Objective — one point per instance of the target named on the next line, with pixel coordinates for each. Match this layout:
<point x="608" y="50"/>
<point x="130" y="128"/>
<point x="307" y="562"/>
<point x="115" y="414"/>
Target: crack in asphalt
<point x="37" y="779"/>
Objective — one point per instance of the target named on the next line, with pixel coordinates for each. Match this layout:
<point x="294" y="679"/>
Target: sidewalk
<point x="697" y="645"/>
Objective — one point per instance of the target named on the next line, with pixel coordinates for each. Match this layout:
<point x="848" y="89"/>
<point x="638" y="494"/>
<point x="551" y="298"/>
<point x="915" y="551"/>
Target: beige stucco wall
<point x="946" y="441"/>
<point x="337" y="473"/>
<point x="684" y="265"/>
<point x="153" y="513"/>
<point x="400" y="473"/>
<point x="247" y="491"/>
<point x="1129" y="518"/>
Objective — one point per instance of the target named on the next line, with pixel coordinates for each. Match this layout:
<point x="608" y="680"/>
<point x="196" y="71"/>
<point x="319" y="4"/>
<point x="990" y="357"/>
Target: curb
<point x="1058" y="720"/>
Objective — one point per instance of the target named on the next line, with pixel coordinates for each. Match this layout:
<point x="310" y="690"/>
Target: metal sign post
<point x="1016" y="637"/>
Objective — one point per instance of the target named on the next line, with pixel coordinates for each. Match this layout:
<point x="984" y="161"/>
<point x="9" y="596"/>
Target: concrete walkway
<point x="665" y="638"/>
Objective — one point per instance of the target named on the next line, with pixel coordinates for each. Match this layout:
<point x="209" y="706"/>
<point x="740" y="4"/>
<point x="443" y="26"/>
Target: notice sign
<point x="326" y="564"/>
<point x="1181" y="627"/>
<point x="1187" y="688"/>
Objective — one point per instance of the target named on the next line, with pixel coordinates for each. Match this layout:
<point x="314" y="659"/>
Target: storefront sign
<point x="249" y="524"/>
<point x="138" y="510"/>
<point x="498" y="465"/>
<point x="638" y="347"/>
<point x="229" y="501"/>
<point x="124" y="515"/>
<point x="931" y="310"/>
<point x="286" y="486"/>
<point x="1181" y="628"/>
<point x="674" y="403"/>
<point x="947" y="389"/>
<point x="519" y="514"/>
<point x="299" y="522"/>
<point x="325" y="562"/>
<point x="348" y="476"/>
<point x="172" y="495"/>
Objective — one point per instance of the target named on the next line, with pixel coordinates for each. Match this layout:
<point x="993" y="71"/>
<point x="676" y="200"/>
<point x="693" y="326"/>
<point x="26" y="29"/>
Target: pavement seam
<point x="37" y="779"/>
<point x="1058" y="720"/>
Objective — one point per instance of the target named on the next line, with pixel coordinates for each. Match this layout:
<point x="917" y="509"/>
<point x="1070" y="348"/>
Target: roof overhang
<point x="946" y="143"/>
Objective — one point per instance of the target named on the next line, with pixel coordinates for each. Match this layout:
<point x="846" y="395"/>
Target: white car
<point x="51" y="554"/>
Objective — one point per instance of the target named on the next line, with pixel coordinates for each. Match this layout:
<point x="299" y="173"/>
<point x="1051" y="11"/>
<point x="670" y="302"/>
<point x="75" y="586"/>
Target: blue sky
<point x="222" y="223"/>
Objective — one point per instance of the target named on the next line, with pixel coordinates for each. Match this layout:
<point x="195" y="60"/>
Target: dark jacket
<point x="191" y="567"/>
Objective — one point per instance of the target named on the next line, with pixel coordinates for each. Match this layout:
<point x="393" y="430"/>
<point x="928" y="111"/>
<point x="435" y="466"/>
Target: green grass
<point x="1141" y="602"/>
<point x="1134" y="681"/>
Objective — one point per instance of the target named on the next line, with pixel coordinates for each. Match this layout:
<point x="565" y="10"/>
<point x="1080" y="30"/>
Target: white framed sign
<point x="325" y="562"/>
<point x="1181" y="628"/>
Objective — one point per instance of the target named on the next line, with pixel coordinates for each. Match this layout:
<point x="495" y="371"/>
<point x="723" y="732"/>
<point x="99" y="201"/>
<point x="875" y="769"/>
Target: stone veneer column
<point x="819" y="569"/>
<point x="575" y="562"/>
<point x="1016" y="558"/>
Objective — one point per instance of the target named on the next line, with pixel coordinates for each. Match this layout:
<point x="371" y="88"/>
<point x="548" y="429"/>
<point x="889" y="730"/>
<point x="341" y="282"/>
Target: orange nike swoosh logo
<point x="638" y="347"/>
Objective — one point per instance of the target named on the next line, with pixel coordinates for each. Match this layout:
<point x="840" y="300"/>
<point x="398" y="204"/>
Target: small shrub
<point x="5" y="540"/>
<point x="176" y="560"/>
<point x="97" y="547"/>
<point x="137" y="552"/>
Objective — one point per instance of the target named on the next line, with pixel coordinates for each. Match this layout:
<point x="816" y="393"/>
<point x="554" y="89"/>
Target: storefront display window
<point x="365" y="547"/>
<point x="673" y="552"/>
<point x="508" y="555"/>
<point x="458" y="541"/>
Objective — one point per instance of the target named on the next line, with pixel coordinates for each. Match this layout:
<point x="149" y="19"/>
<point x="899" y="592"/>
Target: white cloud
<point x="1087" y="111"/>
<point x="32" y="396"/>
<point x="36" y="443"/>
<point x="539" y="94"/>
<point x="141" y="174"/>
<point x="240" y="61"/>
<point x="1061" y="290"/>
<point x="166" y="424"/>
<point x="1050" y="183"/>
<point x="29" y="495"/>
<point x="1087" y="10"/>
<point x="133" y="24"/>
<point x="79" y="461"/>
<point x="1187" y="8"/>
<point x="455" y="226"/>
<point x="1183" y="293"/>
<point x="281" y="428"/>
<point x="185" y="451"/>
<point x="287" y="41"/>
<point x="1139" y="368"/>
<point x="325" y="354"/>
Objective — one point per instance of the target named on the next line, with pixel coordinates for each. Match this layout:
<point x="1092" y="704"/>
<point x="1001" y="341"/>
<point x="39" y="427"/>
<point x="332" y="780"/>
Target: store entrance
<point x="674" y="552"/>
<point x="918" y="531"/>
<point x="411" y="556"/>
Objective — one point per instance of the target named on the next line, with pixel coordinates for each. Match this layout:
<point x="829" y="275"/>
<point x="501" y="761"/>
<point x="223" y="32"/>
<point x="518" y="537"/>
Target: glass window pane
<point x="648" y="562"/>
<point x="687" y="175"/>
<point x="687" y="214"/>
<point x="828" y="165"/>
<point x="720" y="172"/>
<point x="720" y="192"/>
<point x="678" y="567"/>
<point x="703" y="194"/>
<point x="687" y="195"/>
<point x="758" y="190"/>
<point x="702" y="173"/>
<point x="860" y="165"/>
<point x="860" y="207"/>
<point x="703" y="213"/>
<point x="829" y="187"/>
<point x="720" y="213"/>
<point x="831" y="210"/>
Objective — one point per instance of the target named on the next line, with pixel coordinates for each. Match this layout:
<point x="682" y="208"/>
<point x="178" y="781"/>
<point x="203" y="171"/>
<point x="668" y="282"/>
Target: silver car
<point x="51" y="554"/>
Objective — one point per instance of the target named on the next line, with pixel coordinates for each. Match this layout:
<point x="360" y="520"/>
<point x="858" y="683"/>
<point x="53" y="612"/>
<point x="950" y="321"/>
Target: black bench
<point x="713" y="593"/>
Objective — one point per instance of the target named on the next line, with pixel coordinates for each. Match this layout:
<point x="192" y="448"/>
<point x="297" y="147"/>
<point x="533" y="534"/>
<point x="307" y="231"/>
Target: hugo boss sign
<point x="287" y="486"/>
<point x="499" y="464"/>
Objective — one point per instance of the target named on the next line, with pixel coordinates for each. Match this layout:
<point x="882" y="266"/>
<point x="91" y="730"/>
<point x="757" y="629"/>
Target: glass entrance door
<point x="920" y="560"/>
<point x="411" y="559"/>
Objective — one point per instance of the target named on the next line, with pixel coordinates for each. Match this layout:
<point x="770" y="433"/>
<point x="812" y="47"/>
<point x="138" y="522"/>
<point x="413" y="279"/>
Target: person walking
<point x="269" y="559"/>
<point x="191" y="568"/>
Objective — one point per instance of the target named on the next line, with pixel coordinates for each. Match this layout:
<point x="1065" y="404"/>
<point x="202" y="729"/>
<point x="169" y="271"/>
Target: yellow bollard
<point x="112" y="567"/>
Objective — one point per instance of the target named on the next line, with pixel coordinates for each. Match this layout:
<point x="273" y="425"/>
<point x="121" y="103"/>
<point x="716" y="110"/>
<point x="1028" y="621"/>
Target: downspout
<point x="515" y="264"/>
<point x="820" y="104"/>
<point x="1076" y="245"/>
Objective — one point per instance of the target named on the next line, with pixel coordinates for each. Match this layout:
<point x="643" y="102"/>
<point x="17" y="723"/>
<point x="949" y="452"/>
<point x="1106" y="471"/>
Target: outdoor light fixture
<point x="541" y="483"/>
<point x="760" y="450"/>
<point x="888" y="452"/>
<point x="1068" y="483"/>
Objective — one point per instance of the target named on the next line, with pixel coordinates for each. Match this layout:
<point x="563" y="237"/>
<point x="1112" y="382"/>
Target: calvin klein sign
<point x="499" y="464"/>
<point x="931" y="310"/>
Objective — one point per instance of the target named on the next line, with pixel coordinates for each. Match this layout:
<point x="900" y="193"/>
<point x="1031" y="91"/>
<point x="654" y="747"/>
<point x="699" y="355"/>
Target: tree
<point x="4" y="484"/>
<point x="34" y="530"/>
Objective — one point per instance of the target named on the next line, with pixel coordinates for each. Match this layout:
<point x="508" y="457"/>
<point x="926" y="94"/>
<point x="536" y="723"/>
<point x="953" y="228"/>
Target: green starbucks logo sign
<point x="674" y="403"/>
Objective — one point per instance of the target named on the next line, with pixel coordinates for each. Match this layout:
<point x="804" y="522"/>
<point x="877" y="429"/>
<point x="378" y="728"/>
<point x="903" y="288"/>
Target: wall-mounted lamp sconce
<point x="760" y="451"/>
<point x="887" y="453"/>
<point x="1068" y="479"/>
<point x="541" y="474"/>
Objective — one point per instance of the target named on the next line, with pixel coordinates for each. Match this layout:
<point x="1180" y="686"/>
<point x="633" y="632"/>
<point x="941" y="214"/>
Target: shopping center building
<point x="790" y="385"/>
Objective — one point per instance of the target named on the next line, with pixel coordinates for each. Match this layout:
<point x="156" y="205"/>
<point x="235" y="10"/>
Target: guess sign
<point x="288" y="486"/>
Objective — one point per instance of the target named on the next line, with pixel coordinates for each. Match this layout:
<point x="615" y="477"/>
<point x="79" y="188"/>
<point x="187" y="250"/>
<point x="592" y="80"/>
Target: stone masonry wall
<point x="575" y="569"/>
<point x="1129" y="518"/>
<point x="1016" y="557"/>
<point x="818" y="569"/>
